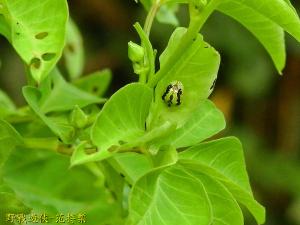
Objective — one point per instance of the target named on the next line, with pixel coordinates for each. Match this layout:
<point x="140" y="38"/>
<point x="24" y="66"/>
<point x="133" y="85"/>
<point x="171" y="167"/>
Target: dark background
<point x="261" y="107"/>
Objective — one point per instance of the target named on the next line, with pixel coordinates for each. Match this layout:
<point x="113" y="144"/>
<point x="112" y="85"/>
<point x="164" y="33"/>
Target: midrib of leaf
<point x="205" y="191"/>
<point x="182" y="62"/>
<point x="230" y="185"/>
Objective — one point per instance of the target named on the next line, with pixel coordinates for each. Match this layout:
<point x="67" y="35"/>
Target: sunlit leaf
<point x="192" y="196"/>
<point x="64" y="96"/>
<point x="205" y="121"/>
<point x="59" y="125"/>
<point x="121" y="121"/>
<point x="37" y="32"/>
<point x="223" y="160"/>
<point x="270" y="34"/>
<point x="196" y="69"/>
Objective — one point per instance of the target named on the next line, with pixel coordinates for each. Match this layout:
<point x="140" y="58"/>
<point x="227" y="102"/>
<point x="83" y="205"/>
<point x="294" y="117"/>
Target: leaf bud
<point x="135" y="52"/>
<point x="78" y="118"/>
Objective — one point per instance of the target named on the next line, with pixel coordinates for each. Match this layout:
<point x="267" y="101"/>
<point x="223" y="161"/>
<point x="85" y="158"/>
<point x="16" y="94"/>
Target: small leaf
<point x="64" y="96"/>
<point x="27" y="22"/>
<point x="223" y="160"/>
<point x="78" y="118"/>
<point x="59" y="125"/>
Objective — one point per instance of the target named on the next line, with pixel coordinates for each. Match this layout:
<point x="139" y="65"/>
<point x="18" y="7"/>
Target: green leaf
<point x="44" y="181"/>
<point x="278" y="11"/>
<point x="121" y="121"/>
<point x="205" y="121"/>
<point x="7" y="107"/>
<point x="10" y="203"/>
<point x="95" y="83"/>
<point x="37" y="32"/>
<point x="196" y="69"/>
<point x="192" y="196"/>
<point x="130" y="164"/>
<point x="64" y="96"/>
<point x="166" y="12"/>
<point x="223" y="160"/>
<point x="9" y="139"/>
<point x="58" y="125"/>
<point x="73" y="51"/>
<point x="4" y="27"/>
<point x="269" y="33"/>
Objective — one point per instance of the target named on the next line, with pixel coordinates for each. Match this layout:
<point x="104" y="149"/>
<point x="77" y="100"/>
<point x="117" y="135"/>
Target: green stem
<point x="50" y="144"/>
<point x="150" y="17"/>
<point x="149" y="56"/>
<point x="192" y="32"/>
<point x="41" y="143"/>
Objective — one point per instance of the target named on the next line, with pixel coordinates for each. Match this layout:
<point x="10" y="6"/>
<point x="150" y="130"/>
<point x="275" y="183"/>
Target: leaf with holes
<point x="196" y="71"/>
<point x="223" y="160"/>
<point x="163" y="193"/>
<point x="37" y="32"/>
<point x="121" y="121"/>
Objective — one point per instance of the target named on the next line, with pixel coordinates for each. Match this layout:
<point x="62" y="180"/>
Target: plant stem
<point x="41" y="143"/>
<point x="150" y="17"/>
<point x="50" y="144"/>
<point x="192" y="32"/>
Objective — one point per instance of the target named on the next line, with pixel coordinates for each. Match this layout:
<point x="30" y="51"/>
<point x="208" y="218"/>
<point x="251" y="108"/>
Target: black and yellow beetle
<point x="173" y="93"/>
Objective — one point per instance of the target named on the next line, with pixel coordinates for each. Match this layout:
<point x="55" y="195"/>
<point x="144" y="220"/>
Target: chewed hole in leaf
<point x="95" y="89"/>
<point x="122" y="142"/>
<point x="48" y="56"/>
<point x="90" y="151"/>
<point x="70" y="48"/>
<point x="41" y="35"/>
<point x="36" y="63"/>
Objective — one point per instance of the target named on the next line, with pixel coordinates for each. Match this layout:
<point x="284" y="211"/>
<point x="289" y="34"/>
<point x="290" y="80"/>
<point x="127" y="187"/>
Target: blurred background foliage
<point x="261" y="107"/>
